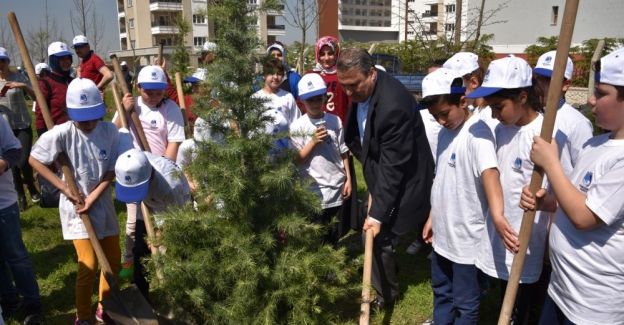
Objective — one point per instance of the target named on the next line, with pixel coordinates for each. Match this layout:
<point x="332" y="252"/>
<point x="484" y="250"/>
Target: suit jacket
<point x="395" y="155"/>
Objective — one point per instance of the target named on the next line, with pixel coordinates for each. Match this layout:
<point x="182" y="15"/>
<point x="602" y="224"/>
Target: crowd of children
<point x="483" y="127"/>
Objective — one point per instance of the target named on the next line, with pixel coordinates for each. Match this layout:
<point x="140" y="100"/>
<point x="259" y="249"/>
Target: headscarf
<point x="279" y="47"/>
<point x="332" y="42"/>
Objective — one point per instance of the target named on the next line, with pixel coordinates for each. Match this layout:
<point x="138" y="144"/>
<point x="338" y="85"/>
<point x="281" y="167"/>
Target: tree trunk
<point x="480" y="21"/>
<point x="458" y="25"/>
<point x="303" y="37"/>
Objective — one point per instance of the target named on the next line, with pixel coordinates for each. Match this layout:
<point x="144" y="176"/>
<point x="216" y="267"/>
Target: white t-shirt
<point x="168" y="186"/>
<point x="8" y="141"/>
<point x="432" y="128"/>
<point x="572" y="129"/>
<point x="485" y="114"/>
<point x="324" y="165"/>
<point x="458" y="202"/>
<point x="91" y="156"/>
<point x="515" y="167"/>
<point x="281" y="107"/>
<point x="588" y="265"/>
<point x="161" y="125"/>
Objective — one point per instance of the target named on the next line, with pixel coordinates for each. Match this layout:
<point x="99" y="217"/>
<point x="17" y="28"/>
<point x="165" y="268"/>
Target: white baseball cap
<point x="546" y="64"/>
<point x="41" y="66"/>
<point x="612" y="68"/>
<point x="83" y="101"/>
<point x="507" y="73"/>
<point x="440" y="82"/>
<point x="123" y="63"/>
<point x="79" y="40"/>
<point x="380" y="67"/>
<point x="58" y="49"/>
<point x="311" y="85"/>
<point x="4" y="54"/>
<point x="462" y="63"/>
<point x="132" y="172"/>
<point x="209" y="47"/>
<point x="152" y="77"/>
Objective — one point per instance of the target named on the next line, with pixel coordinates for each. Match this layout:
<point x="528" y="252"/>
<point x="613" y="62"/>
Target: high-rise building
<point x="369" y="20"/>
<point x="145" y="24"/>
<point x="432" y="19"/>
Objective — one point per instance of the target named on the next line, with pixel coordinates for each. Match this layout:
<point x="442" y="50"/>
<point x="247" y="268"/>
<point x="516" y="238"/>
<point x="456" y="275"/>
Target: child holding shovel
<point x="163" y="126"/>
<point x="91" y="146"/>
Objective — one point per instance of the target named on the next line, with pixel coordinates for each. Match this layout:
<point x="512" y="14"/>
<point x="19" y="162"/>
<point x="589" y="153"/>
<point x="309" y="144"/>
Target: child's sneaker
<point x="102" y="317"/>
<point x="127" y="271"/>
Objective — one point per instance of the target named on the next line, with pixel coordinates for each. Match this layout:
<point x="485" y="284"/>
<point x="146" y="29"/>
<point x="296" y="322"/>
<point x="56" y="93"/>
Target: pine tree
<point x="248" y="255"/>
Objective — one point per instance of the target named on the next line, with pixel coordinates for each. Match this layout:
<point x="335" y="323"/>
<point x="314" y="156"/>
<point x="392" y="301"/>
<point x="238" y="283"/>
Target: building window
<point x="129" y="3"/>
<point x="131" y="23"/>
<point x="199" y="19"/>
<point x="450" y="8"/>
<point x="199" y="41"/>
<point x="555" y="16"/>
<point x="449" y="28"/>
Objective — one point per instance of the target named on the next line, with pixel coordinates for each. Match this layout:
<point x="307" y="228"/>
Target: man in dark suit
<point x="385" y="132"/>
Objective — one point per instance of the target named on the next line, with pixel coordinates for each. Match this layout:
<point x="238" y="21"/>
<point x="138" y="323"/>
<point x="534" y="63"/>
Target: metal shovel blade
<point x="128" y="306"/>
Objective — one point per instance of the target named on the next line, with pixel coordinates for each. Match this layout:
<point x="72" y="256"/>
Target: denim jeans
<point x="16" y="271"/>
<point x="552" y="315"/>
<point x="456" y="291"/>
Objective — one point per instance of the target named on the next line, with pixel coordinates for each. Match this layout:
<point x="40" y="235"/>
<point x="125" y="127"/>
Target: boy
<point x="16" y="271"/>
<point x="156" y="181"/>
<point x="322" y="154"/>
<point x="465" y="187"/>
<point x="91" y="147"/>
<point x="587" y="235"/>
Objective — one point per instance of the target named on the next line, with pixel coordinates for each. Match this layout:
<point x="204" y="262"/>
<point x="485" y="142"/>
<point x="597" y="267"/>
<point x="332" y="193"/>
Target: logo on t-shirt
<point x="102" y="155"/>
<point x="452" y="161"/>
<point x="586" y="182"/>
<point x="153" y="124"/>
<point x="517" y="165"/>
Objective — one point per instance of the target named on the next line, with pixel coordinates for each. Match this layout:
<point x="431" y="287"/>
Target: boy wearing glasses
<point x="323" y="156"/>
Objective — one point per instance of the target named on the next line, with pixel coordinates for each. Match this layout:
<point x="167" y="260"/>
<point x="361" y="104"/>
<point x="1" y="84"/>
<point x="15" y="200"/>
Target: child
<point x="91" y="147"/>
<point x="16" y="271"/>
<point x="507" y="89"/>
<point x="159" y="183"/>
<point x="573" y="129"/>
<point x="466" y="186"/>
<point x="323" y="155"/>
<point x="326" y="52"/>
<point x="163" y="126"/>
<point x="587" y="235"/>
<point x="291" y="77"/>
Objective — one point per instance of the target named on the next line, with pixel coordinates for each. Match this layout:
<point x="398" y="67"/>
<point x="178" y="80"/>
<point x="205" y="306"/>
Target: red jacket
<point x="54" y="89"/>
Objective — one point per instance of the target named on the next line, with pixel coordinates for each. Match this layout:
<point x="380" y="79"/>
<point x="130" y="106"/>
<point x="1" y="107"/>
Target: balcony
<point x="429" y="14"/>
<point x="165" y="5"/>
<point x="121" y="14"/>
<point x="163" y="28"/>
<point x="276" y="30"/>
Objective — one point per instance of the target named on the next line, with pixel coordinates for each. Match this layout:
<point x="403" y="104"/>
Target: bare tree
<point x="79" y="15"/>
<point x="7" y="41"/>
<point x="85" y="21"/>
<point x="302" y="14"/>
<point x="39" y="39"/>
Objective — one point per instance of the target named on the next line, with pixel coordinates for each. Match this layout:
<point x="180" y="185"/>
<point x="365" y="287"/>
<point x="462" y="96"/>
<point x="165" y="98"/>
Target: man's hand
<point x="371" y="224"/>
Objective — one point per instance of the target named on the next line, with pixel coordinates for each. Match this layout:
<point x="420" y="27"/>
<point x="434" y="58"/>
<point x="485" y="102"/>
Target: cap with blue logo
<point x="311" y="85"/>
<point x="58" y="49"/>
<point x="79" y="40"/>
<point x="440" y="81"/>
<point x="612" y="68"/>
<point x="546" y="63"/>
<point x="83" y="100"/>
<point x="4" y="54"/>
<point x="510" y="72"/>
<point x="463" y="63"/>
<point x="132" y="173"/>
<point x="152" y="77"/>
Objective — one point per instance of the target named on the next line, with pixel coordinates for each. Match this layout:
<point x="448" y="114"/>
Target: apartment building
<point x="145" y="24"/>
<point x="369" y="20"/>
<point x="432" y="19"/>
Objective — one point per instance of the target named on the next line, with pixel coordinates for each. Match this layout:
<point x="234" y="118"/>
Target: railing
<point x="430" y="14"/>
<point x="280" y="27"/>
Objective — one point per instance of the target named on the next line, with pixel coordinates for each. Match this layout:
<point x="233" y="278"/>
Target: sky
<point x="31" y="13"/>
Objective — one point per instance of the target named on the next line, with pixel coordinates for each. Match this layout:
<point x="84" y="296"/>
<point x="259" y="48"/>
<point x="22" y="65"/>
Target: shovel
<point x="124" y="307"/>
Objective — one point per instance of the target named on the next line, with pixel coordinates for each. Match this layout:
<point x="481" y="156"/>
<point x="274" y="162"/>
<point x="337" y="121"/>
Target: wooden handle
<point x="136" y="122"/>
<point x="151" y="235"/>
<point x="120" y="110"/>
<point x="178" y="79"/>
<point x="554" y="95"/>
<point x="366" y="279"/>
<point x="62" y="158"/>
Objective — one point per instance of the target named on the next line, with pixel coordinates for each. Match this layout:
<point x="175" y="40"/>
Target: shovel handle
<point x="136" y="122"/>
<point x="151" y="235"/>
<point x="62" y="158"/>
<point x="120" y="111"/>
<point x="178" y="80"/>
<point x="366" y="279"/>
